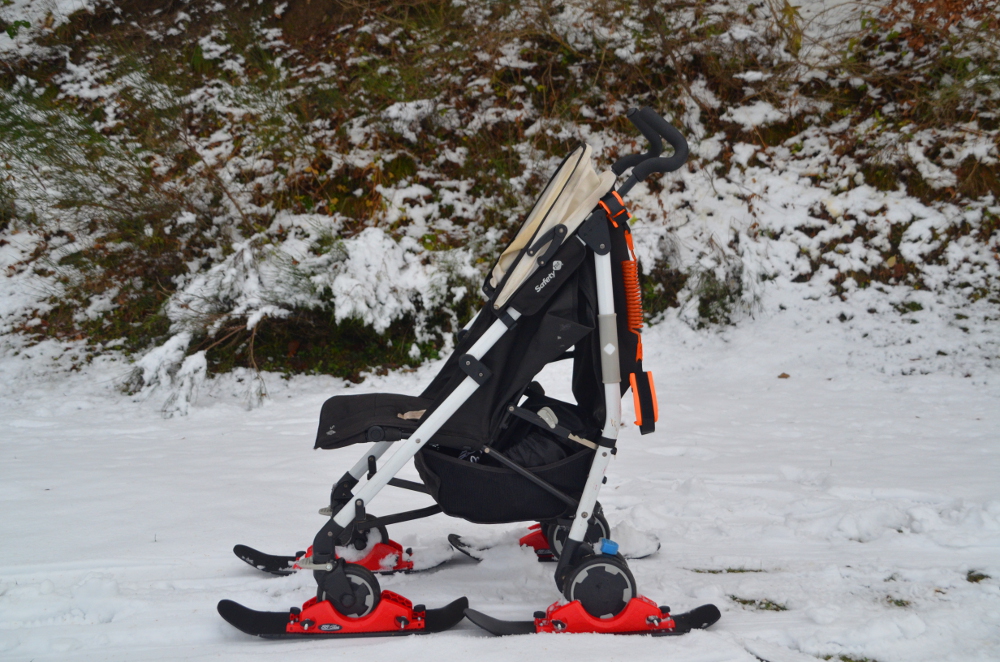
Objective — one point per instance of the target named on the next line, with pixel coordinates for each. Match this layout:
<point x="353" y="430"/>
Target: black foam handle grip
<point x="673" y="138"/>
<point x="655" y="144"/>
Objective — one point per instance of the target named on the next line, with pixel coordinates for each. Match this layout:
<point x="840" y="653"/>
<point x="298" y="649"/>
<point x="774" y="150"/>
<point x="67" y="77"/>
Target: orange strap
<point x="611" y="215"/>
<point x="607" y="210"/>
<point x="637" y="399"/>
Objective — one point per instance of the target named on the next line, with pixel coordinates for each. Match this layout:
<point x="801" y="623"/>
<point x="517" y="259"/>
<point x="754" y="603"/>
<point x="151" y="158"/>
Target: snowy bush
<point x="232" y="186"/>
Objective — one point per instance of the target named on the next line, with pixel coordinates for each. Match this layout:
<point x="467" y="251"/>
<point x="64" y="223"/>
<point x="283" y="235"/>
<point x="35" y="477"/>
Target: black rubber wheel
<point x="362" y="540"/>
<point x="556" y="533"/>
<point x="603" y="585"/>
<point x="367" y="592"/>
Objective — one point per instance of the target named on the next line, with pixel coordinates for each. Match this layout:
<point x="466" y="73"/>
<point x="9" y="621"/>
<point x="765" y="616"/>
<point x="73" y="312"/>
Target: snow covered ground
<point x="855" y="497"/>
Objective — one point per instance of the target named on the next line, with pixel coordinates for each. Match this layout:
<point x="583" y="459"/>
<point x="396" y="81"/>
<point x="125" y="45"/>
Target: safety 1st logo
<point x="556" y="266"/>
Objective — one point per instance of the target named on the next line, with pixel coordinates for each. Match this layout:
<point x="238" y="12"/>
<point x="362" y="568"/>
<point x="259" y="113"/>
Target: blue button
<point x="609" y="547"/>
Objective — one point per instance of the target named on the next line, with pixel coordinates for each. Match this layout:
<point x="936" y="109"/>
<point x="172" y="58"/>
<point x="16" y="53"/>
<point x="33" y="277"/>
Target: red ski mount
<point x="384" y="558"/>
<point x="640" y="616"/>
<point x="536" y="540"/>
<point x="394" y="614"/>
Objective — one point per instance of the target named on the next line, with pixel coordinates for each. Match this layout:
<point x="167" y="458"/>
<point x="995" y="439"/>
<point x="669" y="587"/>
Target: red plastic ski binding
<point x="640" y="616"/>
<point x="394" y="614"/>
<point x="537" y="541"/>
<point x="383" y="557"/>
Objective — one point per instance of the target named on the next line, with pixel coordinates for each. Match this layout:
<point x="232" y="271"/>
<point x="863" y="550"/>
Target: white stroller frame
<point x="407" y="448"/>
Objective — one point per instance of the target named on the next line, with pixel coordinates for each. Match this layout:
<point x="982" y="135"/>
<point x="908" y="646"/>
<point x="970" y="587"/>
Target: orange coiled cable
<point x="633" y="301"/>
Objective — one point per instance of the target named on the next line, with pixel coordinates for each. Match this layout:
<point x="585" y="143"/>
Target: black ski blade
<point x="447" y="617"/>
<point x="698" y="618"/>
<point x="250" y="621"/>
<point x="471" y="551"/>
<point x="276" y="565"/>
<point x="498" y="627"/>
<point x="272" y="624"/>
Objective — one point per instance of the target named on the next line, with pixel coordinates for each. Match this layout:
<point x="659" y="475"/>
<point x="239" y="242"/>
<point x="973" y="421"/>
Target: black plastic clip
<point x="372" y="469"/>
<point x="341" y="492"/>
<point x="474" y="368"/>
<point x="554" y="237"/>
<point x="507" y="319"/>
<point x="594" y="232"/>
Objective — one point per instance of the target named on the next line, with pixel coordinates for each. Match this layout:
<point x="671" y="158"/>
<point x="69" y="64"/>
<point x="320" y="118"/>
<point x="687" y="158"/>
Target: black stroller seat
<point x="355" y="419"/>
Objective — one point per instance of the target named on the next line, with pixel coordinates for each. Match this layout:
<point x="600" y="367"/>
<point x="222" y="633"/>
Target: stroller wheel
<point x="556" y="533"/>
<point x="603" y="584"/>
<point x="366" y="592"/>
<point x="364" y="540"/>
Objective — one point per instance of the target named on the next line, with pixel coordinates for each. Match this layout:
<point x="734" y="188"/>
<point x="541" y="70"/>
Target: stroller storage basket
<point x="495" y="495"/>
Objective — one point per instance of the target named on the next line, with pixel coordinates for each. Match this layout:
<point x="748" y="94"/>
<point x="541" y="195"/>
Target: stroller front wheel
<point x="364" y="596"/>
<point x="603" y="584"/>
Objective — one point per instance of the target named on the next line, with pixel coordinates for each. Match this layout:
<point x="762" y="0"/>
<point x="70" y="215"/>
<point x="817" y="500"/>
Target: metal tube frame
<point x="406" y="449"/>
<point x="612" y="404"/>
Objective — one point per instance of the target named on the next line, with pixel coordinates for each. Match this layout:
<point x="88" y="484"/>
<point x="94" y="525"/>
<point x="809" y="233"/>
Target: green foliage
<point x="758" y="605"/>
<point x="13" y="28"/>
<point x="717" y="298"/>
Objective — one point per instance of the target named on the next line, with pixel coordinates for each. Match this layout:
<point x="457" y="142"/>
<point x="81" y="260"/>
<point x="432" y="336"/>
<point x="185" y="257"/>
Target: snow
<point x="759" y="113"/>
<point x="856" y="497"/>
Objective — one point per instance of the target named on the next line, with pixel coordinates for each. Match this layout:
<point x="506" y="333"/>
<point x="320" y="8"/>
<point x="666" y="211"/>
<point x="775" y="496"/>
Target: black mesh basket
<point x="473" y="486"/>
<point x="494" y="495"/>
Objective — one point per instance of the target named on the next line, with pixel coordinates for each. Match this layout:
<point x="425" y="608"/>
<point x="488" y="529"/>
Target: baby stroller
<point x="489" y="445"/>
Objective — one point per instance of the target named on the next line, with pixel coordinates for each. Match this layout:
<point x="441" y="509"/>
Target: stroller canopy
<point x="568" y="198"/>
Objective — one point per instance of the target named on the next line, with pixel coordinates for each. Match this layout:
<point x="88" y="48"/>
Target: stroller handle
<point x="654" y="128"/>
<point x="655" y="144"/>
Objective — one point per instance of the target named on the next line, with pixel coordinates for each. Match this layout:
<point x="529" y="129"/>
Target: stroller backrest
<point x="572" y="192"/>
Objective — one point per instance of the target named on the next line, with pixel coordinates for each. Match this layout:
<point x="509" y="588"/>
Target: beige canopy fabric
<point x="570" y="196"/>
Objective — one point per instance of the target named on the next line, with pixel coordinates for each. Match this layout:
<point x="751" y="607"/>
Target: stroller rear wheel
<point x="603" y="584"/>
<point x="556" y="533"/>
<point x="365" y="594"/>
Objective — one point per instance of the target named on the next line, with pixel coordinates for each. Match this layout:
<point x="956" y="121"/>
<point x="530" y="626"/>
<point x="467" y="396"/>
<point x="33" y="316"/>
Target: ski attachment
<point x="271" y="563"/>
<point x="382" y="557"/>
<point x="394" y="616"/>
<point x="640" y="616"/>
<point x="535" y="538"/>
<point x="499" y="627"/>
